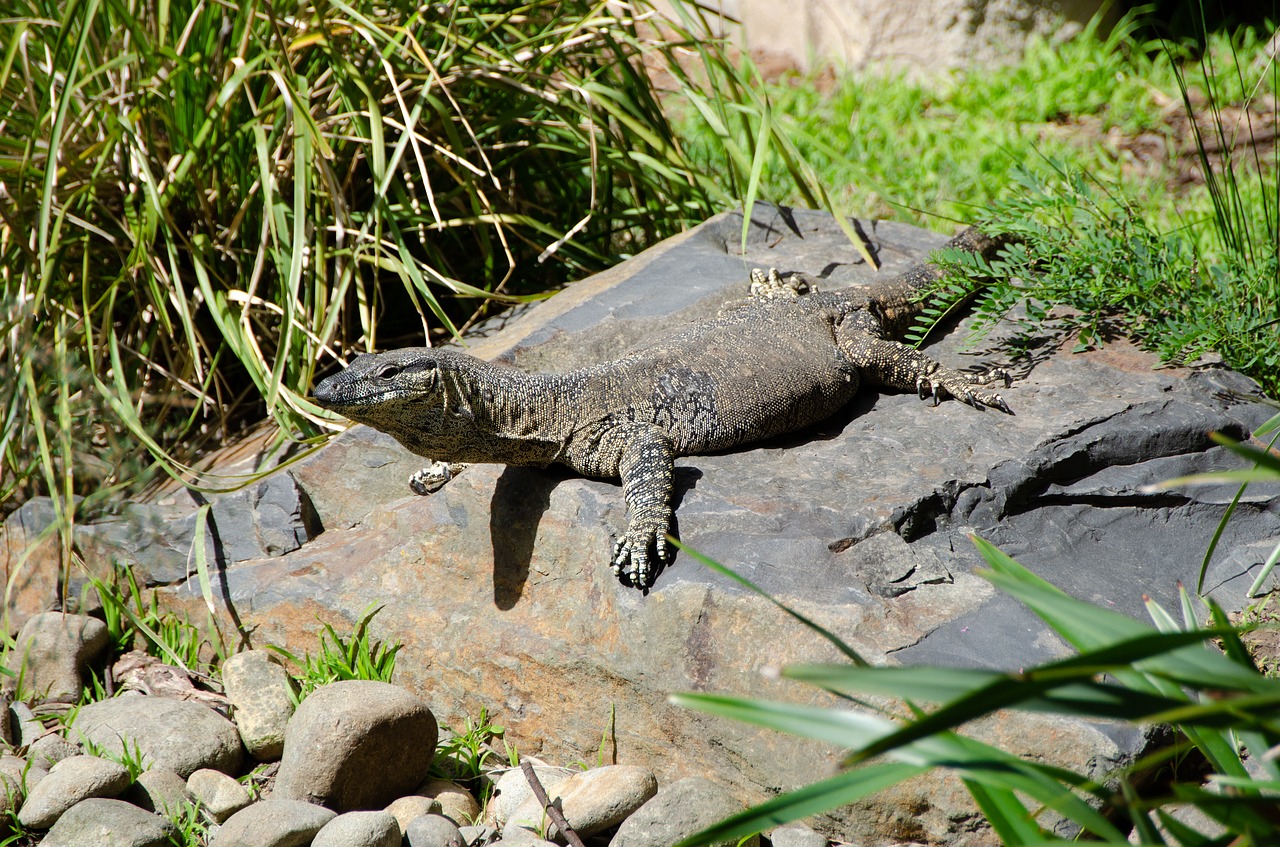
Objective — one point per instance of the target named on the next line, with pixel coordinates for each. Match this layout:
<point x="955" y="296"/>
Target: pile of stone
<point x="347" y="767"/>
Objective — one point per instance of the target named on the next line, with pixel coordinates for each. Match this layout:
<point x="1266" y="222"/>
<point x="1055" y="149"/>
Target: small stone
<point x="55" y="648"/>
<point x="512" y="789"/>
<point x="677" y="811"/>
<point x="99" y="822"/>
<point x="433" y="831"/>
<point x="356" y="744"/>
<point x="69" y="782"/>
<point x="273" y="823"/>
<point x="219" y="795"/>
<point x="455" y="802"/>
<point x="47" y="750"/>
<point x="405" y="809"/>
<point x="159" y="790"/>
<point x="591" y="801"/>
<point x="261" y="693"/>
<point x="359" y="829"/>
<point x="477" y="834"/>
<point x="180" y="735"/>
<point x="796" y="835"/>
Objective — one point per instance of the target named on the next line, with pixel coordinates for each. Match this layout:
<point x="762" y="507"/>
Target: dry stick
<point x="552" y="811"/>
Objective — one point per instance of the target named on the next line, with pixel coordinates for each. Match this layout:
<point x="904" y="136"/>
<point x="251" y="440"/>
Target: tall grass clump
<point x="204" y="204"/>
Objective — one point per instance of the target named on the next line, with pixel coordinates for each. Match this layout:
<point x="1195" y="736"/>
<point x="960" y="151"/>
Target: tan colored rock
<point x="262" y="695"/>
<point x="454" y="801"/>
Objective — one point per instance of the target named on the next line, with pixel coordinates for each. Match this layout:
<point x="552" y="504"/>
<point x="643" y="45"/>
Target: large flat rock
<point x="499" y="587"/>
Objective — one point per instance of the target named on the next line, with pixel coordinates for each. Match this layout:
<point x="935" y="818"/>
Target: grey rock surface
<point x="219" y="795"/>
<point x="591" y="801"/>
<point x="70" y="781"/>
<point x="260" y="692"/>
<point x="433" y="831"/>
<point x="678" y="810"/>
<point x="159" y="790"/>
<point x="356" y="744"/>
<point x="270" y="518"/>
<point x="101" y="822"/>
<point x="47" y="750"/>
<point x="181" y="735"/>
<point x="55" y="648"/>
<point x="796" y="835"/>
<point x="273" y="823"/>
<point x="861" y="522"/>
<point x="359" y="829"/>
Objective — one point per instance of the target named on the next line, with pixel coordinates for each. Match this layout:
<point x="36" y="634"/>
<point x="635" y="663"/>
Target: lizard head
<point x="390" y="390"/>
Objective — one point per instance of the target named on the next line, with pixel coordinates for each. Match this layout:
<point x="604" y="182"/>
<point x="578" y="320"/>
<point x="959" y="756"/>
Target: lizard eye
<point x="389" y="371"/>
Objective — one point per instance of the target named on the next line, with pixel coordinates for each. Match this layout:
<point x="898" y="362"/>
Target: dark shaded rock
<point x="273" y="823"/>
<point x="181" y="735"/>
<point x="70" y="781"/>
<point x="356" y="744"/>
<point x="55" y="649"/>
<point x="498" y="585"/>
<point x="94" y="823"/>
<point x="678" y="810"/>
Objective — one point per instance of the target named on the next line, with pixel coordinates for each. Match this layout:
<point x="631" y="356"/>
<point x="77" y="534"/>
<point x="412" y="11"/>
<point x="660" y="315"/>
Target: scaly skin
<point x="780" y="361"/>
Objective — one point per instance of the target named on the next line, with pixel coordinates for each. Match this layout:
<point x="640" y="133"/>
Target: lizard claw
<point x="433" y="477"/>
<point x="631" y="558"/>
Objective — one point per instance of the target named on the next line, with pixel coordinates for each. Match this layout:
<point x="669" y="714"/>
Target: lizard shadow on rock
<point x="520" y="499"/>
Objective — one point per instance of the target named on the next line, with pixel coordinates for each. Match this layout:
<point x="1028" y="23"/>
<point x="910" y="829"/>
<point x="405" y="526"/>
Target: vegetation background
<point x="204" y="206"/>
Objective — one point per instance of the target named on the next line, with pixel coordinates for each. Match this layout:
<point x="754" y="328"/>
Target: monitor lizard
<point x="782" y="359"/>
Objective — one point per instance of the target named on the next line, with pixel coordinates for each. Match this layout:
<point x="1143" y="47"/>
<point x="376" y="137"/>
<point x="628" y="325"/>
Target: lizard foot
<point x="772" y="286"/>
<point x="433" y="477"/>
<point x="639" y="555"/>
<point x="966" y="387"/>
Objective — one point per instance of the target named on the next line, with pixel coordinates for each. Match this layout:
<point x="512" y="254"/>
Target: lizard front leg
<point x="643" y="456"/>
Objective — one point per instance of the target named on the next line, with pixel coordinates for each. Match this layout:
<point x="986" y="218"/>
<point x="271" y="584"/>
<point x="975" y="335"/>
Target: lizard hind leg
<point x="901" y="366"/>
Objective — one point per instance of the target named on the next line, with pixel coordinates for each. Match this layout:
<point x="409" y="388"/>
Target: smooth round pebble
<point x="411" y="806"/>
<point x="455" y="802"/>
<point x="220" y="796"/>
<point x="272" y="823"/>
<point x="356" y="744"/>
<point x="591" y="801"/>
<point x="70" y="781"/>
<point x="359" y="829"/>
<point x="512" y="789"/>
<point x="158" y="790"/>
<point x="678" y="810"/>
<point x="98" y="822"/>
<point x="433" y="831"/>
